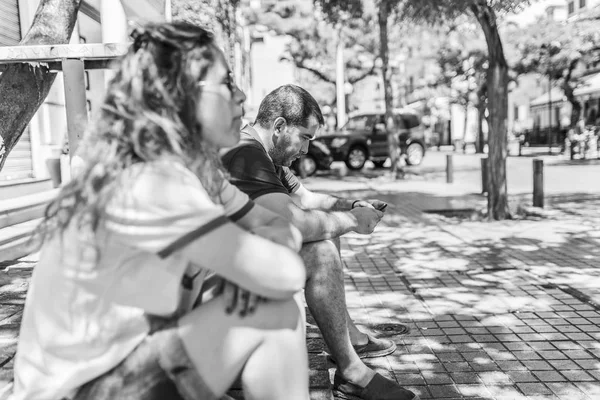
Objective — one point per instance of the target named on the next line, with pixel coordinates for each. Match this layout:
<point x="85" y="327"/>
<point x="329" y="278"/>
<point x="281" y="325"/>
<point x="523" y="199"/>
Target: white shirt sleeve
<point x="162" y="208"/>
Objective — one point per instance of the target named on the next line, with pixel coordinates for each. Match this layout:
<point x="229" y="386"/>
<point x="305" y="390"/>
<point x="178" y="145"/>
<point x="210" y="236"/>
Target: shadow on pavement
<point x="496" y="310"/>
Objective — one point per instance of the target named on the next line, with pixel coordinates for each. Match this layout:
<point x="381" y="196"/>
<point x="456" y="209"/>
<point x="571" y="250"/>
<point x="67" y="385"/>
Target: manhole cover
<point x="392" y="329"/>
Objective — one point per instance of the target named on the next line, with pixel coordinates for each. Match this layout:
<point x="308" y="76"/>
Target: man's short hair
<point x="291" y="102"/>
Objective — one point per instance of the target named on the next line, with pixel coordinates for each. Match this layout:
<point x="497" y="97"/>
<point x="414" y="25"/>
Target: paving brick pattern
<point x="504" y="310"/>
<point x="496" y="310"/>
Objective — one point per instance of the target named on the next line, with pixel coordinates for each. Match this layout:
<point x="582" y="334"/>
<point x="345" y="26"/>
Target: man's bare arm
<point x="310" y="200"/>
<point x="318" y="224"/>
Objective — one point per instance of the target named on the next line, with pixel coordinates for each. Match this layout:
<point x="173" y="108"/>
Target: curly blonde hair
<point x="149" y="112"/>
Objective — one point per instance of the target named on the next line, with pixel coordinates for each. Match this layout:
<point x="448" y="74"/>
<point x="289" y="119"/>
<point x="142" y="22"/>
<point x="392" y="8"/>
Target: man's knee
<point x="322" y="255"/>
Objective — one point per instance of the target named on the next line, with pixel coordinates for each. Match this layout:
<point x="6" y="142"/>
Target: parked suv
<point x="317" y="158"/>
<point x="364" y="137"/>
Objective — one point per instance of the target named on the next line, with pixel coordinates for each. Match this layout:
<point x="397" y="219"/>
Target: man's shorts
<point x="157" y="369"/>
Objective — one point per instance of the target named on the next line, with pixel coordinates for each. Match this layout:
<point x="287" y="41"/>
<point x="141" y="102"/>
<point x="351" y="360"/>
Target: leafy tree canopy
<point x="434" y="11"/>
<point x="314" y="39"/>
<point x="553" y="48"/>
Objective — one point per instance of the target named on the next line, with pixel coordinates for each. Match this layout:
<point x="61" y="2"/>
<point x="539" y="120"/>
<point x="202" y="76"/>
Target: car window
<point x="400" y="122"/>
<point x="409" y="121"/>
<point x="361" y="122"/>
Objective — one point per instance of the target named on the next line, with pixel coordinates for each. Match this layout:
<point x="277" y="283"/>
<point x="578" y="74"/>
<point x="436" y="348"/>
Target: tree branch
<point x="24" y="86"/>
<point x="362" y="76"/>
<point x="316" y="72"/>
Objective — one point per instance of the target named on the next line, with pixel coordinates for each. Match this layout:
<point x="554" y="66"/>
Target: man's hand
<point x="367" y="219"/>
<point x="282" y="232"/>
<point x="238" y="300"/>
<point x="376" y="204"/>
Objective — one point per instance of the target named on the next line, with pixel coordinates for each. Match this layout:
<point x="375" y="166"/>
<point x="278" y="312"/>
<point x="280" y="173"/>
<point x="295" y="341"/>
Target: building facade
<point x="576" y="8"/>
<point x="45" y="137"/>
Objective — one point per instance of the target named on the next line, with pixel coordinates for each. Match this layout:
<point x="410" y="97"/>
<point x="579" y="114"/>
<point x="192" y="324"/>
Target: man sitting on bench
<point x="287" y="119"/>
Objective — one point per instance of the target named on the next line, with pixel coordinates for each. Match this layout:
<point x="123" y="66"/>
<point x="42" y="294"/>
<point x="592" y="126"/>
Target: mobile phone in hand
<point x="382" y="207"/>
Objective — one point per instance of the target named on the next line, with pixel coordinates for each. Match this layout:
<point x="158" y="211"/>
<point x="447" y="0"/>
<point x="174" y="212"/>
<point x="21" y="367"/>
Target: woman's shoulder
<point x="167" y="171"/>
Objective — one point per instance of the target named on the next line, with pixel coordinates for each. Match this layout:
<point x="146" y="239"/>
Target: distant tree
<point x="199" y="12"/>
<point x="25" y="86"/>
<point x="226" y="13"/>
<point x="313" y="40"/>
<point x="218" y="16"/>
<point x="484" y="11"/>
<point x="384" y="10"/>
<point x="555" y="50"/>
<point x="338" y="11"/>
<point x="464" y="71"/>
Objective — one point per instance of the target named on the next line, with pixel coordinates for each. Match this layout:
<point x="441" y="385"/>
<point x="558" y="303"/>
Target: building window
<point x="516" y="112"/>
<point x="581" y="3"/>
<point x="571" y="7"/>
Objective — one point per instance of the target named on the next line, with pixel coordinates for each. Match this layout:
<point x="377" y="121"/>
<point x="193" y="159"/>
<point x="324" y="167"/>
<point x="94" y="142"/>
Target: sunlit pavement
<point x="502" y="310"/>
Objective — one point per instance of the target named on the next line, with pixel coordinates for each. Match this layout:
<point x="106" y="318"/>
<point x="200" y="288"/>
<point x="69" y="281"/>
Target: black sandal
<point x="379" y="388"/>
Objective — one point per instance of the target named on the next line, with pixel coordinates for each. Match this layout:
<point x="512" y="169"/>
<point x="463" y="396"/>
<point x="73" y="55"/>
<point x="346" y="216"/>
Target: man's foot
<point x="379" y="388"/>
<point x="375" y="347"/>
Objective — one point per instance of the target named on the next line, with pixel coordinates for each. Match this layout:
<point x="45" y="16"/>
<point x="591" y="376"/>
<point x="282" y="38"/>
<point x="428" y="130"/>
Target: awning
<point x="556" y="96"/>
<point x="589" y="86"/>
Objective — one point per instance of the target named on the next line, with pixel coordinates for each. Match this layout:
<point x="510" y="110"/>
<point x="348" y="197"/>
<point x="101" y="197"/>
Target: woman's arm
<point x="250" y="261"/>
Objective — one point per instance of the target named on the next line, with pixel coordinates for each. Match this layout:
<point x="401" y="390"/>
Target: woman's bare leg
<point x="268" y="345"/>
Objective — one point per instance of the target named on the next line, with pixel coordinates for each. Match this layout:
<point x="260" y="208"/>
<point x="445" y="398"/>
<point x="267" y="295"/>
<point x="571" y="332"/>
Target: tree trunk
<point x="393" y="140"/>
<point x="497" y="86"/>
<point x="570" y="94"/>
<point x="466" y="121"/>
<point x="481" y="107"/>
<point x="480" y="118"/>
<point x="232" y="35"/>
<point x="24" y="86"/>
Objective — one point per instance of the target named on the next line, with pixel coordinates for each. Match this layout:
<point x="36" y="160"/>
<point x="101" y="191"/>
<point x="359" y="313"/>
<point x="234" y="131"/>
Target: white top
<point x="86" y="305"/>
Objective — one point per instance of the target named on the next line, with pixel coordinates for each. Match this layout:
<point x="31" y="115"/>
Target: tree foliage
<point x="462" y="71"/>
<point x="497" y="77"/>
<point x="314" y="39"/>
<point x="435" y="11"/>
<point x="341" y="12"/>
<point x="218" y="16"/>
<point x="556" y="50"/>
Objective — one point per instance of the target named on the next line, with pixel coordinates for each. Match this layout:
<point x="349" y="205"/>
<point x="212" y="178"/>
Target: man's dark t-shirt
<point x="252" y="170"/>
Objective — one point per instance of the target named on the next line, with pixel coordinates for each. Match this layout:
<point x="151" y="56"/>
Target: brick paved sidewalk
<point x="496" y="310"/>
<point x="504" y="310"/>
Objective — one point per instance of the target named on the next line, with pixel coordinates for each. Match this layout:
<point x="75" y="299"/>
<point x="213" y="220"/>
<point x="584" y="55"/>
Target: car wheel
<point x="357" y="157"/>
<point x="414" y="154"/>
<point x="379" y="164"/>
<point x="310" y="165"/>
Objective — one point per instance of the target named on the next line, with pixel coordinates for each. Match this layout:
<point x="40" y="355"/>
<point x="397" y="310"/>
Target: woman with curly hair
<point x="110" y="313"/>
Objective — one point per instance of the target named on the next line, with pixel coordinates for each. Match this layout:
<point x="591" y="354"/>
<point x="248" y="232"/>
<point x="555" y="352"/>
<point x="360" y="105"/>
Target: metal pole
<point x="538" y="183"/>
<point x="340" y="80"/>
<point x="449" y="169"/>
<point x="484" y="175"/>
<point x="549" y="114"/>
<point x="75" y="101"/>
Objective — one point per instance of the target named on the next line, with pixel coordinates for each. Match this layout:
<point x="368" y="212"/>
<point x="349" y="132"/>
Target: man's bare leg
<point x="326" y="300"/>
<point x="356" y="336"/>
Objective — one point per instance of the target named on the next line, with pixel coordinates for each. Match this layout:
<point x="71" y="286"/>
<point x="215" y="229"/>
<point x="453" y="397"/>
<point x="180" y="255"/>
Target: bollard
<point x="484" y="175"/>
<point x="449" y="169"/>
<point x="538" y="183"/>
<point x="301" y="170"/>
